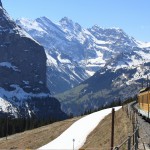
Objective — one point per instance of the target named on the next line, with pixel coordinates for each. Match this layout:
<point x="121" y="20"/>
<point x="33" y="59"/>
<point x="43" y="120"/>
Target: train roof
<point x="144" y="89"/>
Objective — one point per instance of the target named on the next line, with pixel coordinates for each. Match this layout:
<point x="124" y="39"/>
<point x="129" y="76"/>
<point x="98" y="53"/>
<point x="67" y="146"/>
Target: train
<point x="144" y="102"/>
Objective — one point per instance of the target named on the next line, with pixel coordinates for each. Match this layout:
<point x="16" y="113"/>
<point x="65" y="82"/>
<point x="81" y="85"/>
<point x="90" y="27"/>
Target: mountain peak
<point x="1" y="4"/>
<point x="43" y="18"/>
<point x="97" y="27"/>
<point x="66" y="21"/>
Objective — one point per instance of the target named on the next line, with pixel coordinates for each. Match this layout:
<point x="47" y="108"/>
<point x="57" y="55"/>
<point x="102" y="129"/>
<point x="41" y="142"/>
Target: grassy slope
<point x="99" y="138"/>
<point x="98" y="90"/>
<point x="36" y="138"/>
<point x="83" y="98"/>
<point x="72" y="95"/>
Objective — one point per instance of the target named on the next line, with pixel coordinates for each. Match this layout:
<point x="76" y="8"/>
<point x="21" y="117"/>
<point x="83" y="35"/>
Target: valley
<point x="75" y="53"/>
<point x="72" y="84"/>
<point x="88" y="68"/>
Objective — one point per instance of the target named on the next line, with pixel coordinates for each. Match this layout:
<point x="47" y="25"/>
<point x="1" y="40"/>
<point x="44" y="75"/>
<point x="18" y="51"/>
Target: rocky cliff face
<point x="23" y="90"/>
<point x="22" y="60"/>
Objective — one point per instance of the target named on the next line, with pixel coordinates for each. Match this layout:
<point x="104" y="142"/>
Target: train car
<point x="144" y="102"/>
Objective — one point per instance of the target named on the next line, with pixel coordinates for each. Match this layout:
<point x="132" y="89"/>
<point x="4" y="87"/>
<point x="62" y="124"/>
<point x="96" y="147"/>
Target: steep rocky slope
<point x="23" y="91"/>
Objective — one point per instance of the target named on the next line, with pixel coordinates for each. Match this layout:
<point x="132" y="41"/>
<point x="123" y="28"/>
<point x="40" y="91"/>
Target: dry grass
<point x="36" y="138"/>
<point x="100" y="137"/>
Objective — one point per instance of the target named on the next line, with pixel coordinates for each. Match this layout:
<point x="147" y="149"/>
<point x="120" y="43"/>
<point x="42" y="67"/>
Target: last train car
<point x="144" y="102"/>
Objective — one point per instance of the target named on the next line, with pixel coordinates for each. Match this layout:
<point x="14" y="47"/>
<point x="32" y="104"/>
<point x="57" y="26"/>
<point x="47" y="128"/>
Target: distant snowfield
<point x="78" y="132"/>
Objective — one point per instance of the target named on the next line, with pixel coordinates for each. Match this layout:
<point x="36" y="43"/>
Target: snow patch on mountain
<point x="19" y="93"/>
<point x="143" y="44"/>
<point x="10" y="101"/>
<point x="6" y="107"/>
<point x="9" y="65"/>
<point x="30" y="25"/>
<point x="50" y="60"/>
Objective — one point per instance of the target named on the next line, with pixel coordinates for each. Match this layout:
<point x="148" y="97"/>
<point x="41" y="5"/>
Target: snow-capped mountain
<point x="23" y="91"/>
<point x="63" y="69"/>
<point x="120" y="78"/>
<point x="74" y="53"/>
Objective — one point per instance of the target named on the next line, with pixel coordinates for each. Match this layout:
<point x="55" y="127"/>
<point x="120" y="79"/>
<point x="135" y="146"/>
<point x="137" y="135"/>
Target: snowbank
<point x="78" y="132"/>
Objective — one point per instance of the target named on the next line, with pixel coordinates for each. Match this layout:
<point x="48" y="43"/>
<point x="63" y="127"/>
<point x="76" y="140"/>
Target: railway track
<point x="144" y="128"/>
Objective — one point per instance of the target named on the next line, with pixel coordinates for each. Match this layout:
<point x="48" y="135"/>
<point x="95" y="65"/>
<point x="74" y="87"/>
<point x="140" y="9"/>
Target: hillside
<point x="36" y="138"/>
<point x="100" y="137"/>
<point x="109" y="85"/>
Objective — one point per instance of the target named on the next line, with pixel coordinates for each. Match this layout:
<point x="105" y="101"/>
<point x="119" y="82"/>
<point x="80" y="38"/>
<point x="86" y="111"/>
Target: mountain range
<point x="116" y="62"/>
<point x="75" y="53"/>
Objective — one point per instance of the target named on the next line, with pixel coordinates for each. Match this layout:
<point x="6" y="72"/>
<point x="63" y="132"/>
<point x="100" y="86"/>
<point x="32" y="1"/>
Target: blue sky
<point x="133" y="16"/>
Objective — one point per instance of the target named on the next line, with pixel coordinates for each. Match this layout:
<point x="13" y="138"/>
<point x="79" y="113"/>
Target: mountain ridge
<point x="86" y="50"/>
<point x="104" y="54"/>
